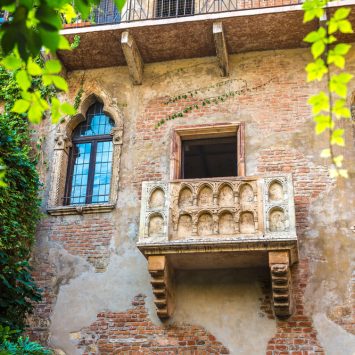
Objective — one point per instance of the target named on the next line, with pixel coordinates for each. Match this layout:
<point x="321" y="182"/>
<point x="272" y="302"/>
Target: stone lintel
<point x="133" y="57"/>
<point x="221" y="48"/>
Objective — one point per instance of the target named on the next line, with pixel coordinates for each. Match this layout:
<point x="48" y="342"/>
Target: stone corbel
<point x="62" y="141"/>
<point x="117" y="134"/>
<point x="221" y="48"/>
<point x="133" y="57"/>
<point x="281" y="282"/>
<point x="162" y="283"/>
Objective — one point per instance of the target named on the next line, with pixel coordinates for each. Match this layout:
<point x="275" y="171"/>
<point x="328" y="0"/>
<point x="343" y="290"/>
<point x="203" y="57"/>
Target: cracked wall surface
<point x="91" y="270"/>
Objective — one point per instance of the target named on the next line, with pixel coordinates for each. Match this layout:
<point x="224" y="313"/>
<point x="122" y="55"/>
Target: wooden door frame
<point x="217" y="130"/>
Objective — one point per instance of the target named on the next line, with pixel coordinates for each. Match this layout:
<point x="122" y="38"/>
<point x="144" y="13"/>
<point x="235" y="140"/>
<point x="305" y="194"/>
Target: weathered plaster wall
<point x="91" y="270"/>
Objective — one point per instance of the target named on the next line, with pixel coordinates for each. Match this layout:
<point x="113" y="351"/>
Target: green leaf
<point x="52" y="66"/>
<point x="315" y="36"/>
<point x="47" y="79"/>
<point x="338" y="84"/>
<point x="313" y="9"/>
<point x="120" y="4"/>
<point x="342" y="48"/>
<point x="67" y="109"/>
<point x="64" y="43"/>
<point x="341" y="13"/>
<point x="317" y="49"/>
<point x="345" y="26"/>
<point x="325" y="153"/>
<point x="338" y="161"/>
<point x="55" y="110"/>
<point x="316" y="70"/>
<point x="23" y="80"/>
<point x="68" y="11"/>
<point x="11" y="62"/>
<point x="21" y="106"/>
<point x="60" y="83"/>
<point x="323" y="122"/>
<point x="33" y="68"/>
<point x="333" y="172"/>
<point x="337" y="137"/>
<point x="335" y="58"/>
<point x="319" y="102"/>
<point x="340" y="110"/>
<point x="343" y="173"/>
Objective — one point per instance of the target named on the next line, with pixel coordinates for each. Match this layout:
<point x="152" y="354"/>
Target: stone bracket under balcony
<point x="219" y="223"/>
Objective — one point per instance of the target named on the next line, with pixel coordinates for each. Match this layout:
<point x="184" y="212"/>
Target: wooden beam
<point x="221" y="48"/>
<point x="133" y="57"/>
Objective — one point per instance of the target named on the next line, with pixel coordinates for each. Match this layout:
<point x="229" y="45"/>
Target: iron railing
<point x="139" y="10"/>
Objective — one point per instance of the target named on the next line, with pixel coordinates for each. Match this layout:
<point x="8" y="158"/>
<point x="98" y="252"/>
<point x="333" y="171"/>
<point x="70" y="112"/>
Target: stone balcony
<point x="215" y="223"/>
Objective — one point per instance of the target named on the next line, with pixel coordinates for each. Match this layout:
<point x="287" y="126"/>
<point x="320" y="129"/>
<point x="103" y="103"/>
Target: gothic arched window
<point x="90" y="161"/>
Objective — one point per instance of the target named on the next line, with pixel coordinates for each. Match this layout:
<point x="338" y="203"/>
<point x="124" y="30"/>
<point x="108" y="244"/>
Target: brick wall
<point x="132" y="332"/>
<point x="87" y="236"/>
<point x="276" y="107"/>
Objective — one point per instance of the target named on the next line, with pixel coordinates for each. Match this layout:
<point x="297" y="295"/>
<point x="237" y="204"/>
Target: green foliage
<point x="329" y="107"/>
<point x="35" y="25"/>
<point x="19" y="207"/>
<point x="76" y="42"/>
<point x="9" y="345"/>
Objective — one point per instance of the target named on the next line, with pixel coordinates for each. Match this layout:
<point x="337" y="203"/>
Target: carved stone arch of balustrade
<point x="185" y="227"/>
<point x="225" y="197"/>
<point x="226" y="221"/>
<point x="186" y="196"/>
<point x="278" y="219"/>
<point x="248" y="221"/>
<point x="63" y="143"/>
<point x="276" y="190"/>
<point x="246" y="193"/>
<point x="156" y="225"/>
<point x="205" y="223"/>
<point x="157" y="198"/>
<point x="205" y="194"/>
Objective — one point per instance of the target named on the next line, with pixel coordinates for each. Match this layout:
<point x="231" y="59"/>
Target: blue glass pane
<point x="102" y="176"/>
<point x="96" y="123"/>
<point x="81" y="156"/>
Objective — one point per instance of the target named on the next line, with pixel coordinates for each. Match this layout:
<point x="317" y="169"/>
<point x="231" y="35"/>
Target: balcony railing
<point x="140" y="10"/>
<point x="217" y="210"/>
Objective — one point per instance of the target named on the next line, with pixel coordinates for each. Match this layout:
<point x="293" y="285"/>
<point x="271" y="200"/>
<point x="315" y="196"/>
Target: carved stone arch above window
<point x="63" y="143"/>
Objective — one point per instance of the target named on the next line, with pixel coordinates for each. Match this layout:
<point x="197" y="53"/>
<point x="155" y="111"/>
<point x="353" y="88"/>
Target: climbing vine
<point x="19" y="204"/>
<point x="329" y="106"/>
<point x="207" y="101"/>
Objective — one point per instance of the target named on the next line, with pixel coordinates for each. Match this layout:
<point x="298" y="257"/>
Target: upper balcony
<point x="179" y="29"/>
<point x="236" y="222"/>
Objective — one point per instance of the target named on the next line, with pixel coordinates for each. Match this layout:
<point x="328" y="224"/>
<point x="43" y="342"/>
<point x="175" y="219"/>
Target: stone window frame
<point x="217" y="130"/>
<point x="62" y="147"/>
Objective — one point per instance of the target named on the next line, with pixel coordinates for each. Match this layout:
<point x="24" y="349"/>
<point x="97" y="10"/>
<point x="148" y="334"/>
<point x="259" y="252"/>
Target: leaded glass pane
<point x="102" y="175"/>
<point x="79" y="178"/>
<point x="96" y="123"/>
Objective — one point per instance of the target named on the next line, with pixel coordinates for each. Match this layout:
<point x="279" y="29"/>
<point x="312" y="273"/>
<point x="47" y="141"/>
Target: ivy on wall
<point x="19" y="207"/>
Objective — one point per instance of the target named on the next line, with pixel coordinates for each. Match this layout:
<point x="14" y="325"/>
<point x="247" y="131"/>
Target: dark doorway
<point x="205" y="158"/>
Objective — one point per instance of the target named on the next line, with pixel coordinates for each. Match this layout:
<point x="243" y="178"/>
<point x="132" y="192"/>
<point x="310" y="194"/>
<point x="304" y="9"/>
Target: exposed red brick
<point x="125" y="332"/>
